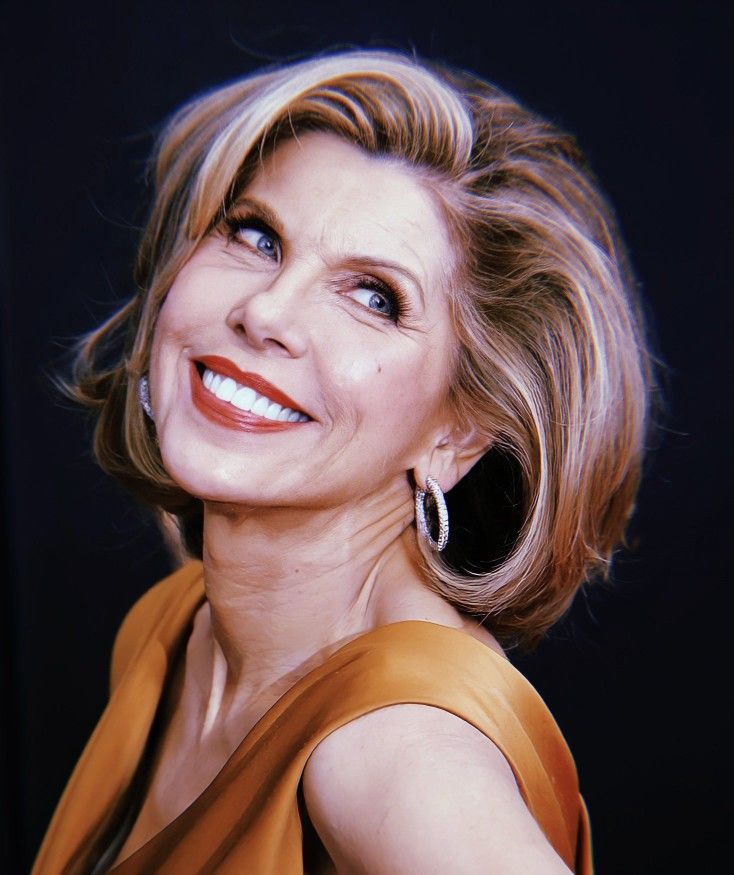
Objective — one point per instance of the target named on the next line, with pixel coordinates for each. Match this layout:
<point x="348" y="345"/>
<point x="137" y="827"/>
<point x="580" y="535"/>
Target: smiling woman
<point x="366" y="281"/>
<point x="352" y="351"/>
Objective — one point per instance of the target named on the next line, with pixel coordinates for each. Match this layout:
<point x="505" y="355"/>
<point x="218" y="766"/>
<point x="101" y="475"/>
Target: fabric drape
<point x="248" y="820"/>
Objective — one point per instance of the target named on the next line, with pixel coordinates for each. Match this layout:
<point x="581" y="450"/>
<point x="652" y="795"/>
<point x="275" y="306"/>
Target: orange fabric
<point x="247" y="820"/>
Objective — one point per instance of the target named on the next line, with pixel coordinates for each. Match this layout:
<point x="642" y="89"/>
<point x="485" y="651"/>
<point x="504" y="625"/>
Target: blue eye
<point x="374" y="300"/>
<point x="255" y="235"/>
<point x="259" y="239"/>
<point x="378" y="297"/>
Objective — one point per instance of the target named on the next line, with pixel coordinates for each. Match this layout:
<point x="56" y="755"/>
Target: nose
<point x="271" y="318"/>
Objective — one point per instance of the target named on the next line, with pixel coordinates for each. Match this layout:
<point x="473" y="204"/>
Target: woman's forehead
<point x="322" y="190"/>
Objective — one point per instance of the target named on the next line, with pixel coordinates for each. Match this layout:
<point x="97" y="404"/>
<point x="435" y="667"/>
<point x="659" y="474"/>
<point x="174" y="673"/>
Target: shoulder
<point x="416" y="788"/>
<point x="145" y="615"/>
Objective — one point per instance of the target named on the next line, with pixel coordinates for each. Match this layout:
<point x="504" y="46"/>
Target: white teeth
<point x="226" y="389"/>
<point x="245" y="398"/>
<point x="260" y="406"/>
<point x="272" y="411"/>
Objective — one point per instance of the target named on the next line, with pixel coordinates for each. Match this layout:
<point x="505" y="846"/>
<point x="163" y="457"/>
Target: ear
<point x="454" y="452"/>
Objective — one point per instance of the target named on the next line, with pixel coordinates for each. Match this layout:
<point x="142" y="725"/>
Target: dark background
<point x="637" y="676"/>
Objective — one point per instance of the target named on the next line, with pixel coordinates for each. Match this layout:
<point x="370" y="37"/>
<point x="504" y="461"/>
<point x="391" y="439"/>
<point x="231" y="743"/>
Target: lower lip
<point x="225" y="414"/>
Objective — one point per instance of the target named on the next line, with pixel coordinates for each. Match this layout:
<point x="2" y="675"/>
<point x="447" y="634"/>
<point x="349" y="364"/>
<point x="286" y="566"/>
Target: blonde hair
<point x="551" y="361"/>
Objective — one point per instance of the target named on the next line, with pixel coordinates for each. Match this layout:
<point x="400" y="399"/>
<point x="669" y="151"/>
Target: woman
<point x="365" y="282"/>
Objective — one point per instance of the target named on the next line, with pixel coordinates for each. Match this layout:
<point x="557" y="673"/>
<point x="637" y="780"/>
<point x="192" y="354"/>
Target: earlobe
<point x="451" y="458"/>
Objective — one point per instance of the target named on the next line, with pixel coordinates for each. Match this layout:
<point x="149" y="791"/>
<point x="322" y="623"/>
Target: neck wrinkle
<point x="286" y="589"/>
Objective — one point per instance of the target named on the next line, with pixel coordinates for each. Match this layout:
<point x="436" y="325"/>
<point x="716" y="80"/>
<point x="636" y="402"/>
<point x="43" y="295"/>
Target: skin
<point x="308" y="537"/>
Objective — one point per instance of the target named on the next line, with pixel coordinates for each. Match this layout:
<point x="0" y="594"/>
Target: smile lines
<point x="247" y="399"/>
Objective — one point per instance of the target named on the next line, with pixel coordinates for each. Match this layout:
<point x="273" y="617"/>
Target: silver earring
<point x="144" y="396"/>
<point x="441" y="509"/>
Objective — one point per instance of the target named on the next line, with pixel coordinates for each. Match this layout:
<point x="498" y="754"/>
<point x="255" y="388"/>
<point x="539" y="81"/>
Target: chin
<point x="235" y="484"/>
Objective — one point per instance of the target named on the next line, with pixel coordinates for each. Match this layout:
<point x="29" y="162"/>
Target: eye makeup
<point x="241" y="217"/>
<point x="395" y="297"/>
<point x="235" y="224"/>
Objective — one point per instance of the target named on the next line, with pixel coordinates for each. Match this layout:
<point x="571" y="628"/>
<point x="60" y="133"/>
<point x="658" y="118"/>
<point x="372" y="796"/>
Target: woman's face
<point x="301" y="355"/>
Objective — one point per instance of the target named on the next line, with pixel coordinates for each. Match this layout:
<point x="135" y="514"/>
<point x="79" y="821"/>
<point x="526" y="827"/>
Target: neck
<point x="287" y="586"/>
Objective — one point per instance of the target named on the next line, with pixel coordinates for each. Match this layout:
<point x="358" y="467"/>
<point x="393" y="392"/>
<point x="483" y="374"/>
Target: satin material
<point x="247" y="820"/>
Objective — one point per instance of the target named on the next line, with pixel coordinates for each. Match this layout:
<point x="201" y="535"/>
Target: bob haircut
<point x="550" y="363"/>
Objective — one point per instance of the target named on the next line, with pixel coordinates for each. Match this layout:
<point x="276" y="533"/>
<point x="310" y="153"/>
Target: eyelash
<point x="392" y="293"/>
<point x="235" y="223"/>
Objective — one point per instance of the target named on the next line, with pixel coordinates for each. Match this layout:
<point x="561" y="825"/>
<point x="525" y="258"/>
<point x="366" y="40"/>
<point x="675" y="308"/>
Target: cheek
<point x="388" y="393"/>
<point x="162" y="352"/>
<point x="358" y="374"/>
<point x="183" y="312"/>
<point x="180" y="309"/>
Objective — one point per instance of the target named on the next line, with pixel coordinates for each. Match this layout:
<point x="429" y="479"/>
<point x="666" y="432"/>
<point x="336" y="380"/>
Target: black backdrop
<point x="636" y="676"/>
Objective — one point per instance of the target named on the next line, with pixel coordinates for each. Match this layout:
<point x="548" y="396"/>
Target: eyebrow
<point x="263" y="211"/>
<point x="358" y="260"/>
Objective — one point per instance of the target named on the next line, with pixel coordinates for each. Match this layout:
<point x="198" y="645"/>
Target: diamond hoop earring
<point x="144" y="396"/>
<point x="441" y="509"/>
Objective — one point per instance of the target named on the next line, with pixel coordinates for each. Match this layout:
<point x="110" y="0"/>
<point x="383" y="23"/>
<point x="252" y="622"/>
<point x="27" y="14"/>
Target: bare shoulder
<point x="413" y="788"/>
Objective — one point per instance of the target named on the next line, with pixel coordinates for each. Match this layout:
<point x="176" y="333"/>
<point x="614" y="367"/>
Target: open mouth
<point x="245" y="398"/>
<point x="241" y="400"/>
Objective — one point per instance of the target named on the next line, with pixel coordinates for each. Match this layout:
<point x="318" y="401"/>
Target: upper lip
<point x="228" y="368"/>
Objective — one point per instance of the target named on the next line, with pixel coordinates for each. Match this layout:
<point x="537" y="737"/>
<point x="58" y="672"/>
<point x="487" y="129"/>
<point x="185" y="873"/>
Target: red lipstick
<point x="226" y="414"/>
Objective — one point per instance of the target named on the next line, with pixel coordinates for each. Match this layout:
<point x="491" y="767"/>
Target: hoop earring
<point x="144" y="396"/>
<point x="441" y="509"/>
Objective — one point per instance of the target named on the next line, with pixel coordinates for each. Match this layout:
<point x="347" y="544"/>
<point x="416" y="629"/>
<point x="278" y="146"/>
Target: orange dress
<point x="247" y="820"/>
